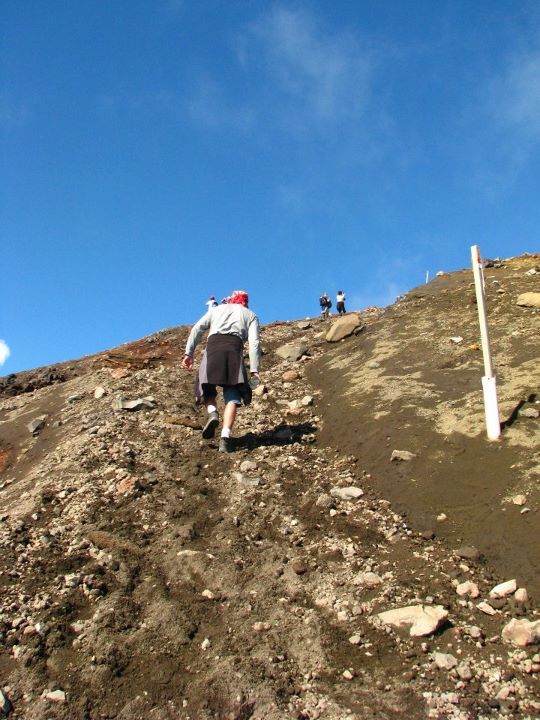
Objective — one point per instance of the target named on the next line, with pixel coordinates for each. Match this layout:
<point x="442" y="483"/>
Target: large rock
<point x="292" y="351"/>
<point x="421" y="619"/>
<point x="343" y="327"/>
<point x="521" y="632"/>
<point x="529" y="299"/>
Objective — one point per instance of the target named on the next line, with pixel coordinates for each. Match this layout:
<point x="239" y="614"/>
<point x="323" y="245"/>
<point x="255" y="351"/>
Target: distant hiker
<point x="212" y="302"/>
<point x="326" y="304"/>
<point x="340" y="302"/>
<point x="229" y="325"/>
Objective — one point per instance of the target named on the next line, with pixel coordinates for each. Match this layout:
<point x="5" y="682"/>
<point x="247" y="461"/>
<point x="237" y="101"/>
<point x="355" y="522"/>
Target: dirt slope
<point x="142" y="575"/>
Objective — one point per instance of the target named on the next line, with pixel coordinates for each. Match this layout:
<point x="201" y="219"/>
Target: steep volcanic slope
<point x="407" y="384"/>
<point x="144" y="575"/>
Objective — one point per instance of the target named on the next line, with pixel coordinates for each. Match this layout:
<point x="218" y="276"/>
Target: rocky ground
<point x="306" y="575"/>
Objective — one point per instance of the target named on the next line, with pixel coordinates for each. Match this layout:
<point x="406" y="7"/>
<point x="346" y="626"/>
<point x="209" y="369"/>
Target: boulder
<point x="292" y="351"/>
<point x="420" y="619"/>
<point x="343" y="327"/>
<point x="529" y="299"/>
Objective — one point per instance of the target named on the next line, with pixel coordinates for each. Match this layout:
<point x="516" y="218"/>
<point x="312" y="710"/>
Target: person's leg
<point x="229" y="416"/>
<point x="210" y="401"/>
<point x="232" y="398"/>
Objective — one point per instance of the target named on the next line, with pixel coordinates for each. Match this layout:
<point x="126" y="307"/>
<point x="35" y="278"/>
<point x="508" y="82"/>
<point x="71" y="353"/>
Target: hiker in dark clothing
<point x="326" y="304"/>
<point x="229" y="326"/>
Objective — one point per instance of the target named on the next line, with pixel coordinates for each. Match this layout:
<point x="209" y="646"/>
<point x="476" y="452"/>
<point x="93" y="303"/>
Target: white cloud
<point x="321" y="76"/>
<point x="5" y="352"/>
<point x="516" y="95"/>
<point x="296" y="76"/>
<point x="510" y="117"/>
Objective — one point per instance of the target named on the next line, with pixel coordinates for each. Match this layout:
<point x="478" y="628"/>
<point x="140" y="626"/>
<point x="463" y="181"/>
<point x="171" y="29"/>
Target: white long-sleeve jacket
<point x="229" y="320"/>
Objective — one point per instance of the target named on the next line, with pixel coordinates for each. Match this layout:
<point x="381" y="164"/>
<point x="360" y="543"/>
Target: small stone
<point x="519" y="499"/>
<point x="421" y="619"/>
<point x="205" y="644"/>
<point x="521" y="595"/>
<point x="473" y="631"/>
<point x="57" y="696"/>
<point x="467" y="553"/>
<point x="261" y="626"/>
<point x="355" y="639"/>
<point x="37" y="424"/>
<point x="503" y="589"/>
<point x="529" y="299"/>
<point x="368" y="579"/>
<point x="248" y="466"/>
<point x="464" y="671"/>
<point x="444" y="661"/>
<point x="486" y="608"/>
<point x="457" y="339"/>
<point x="442" y="517"/>
<point x="347" y="674"/>
<point x="529" y="412"/>
<point x="127" y="486"/>
<point x="299" y="566"/>
<point x="468" y="589"/>
<point x="325" y="501"/>
<point x="72" y="581"/>
<point x="306" y="401"/>
<point x="5" y="704"/>
<point x="521" y="632"/>
<point x="290" y="376"/>
<point x="99" y="392"/>
<point x="208" y="594"/>
<point x="347" y="493"/>
<point x="292" y="352"/>
<point x="133" y="405"/>
<point x="402" y="455"/>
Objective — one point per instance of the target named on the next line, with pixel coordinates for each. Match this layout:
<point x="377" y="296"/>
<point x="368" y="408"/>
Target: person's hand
<point x="187" y="362"/>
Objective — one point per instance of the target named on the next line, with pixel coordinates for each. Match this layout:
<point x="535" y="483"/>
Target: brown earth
<point x="147" y="576"/>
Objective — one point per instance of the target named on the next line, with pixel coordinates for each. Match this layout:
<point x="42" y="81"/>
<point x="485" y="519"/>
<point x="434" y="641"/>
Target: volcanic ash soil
<point x="145" y="575"/>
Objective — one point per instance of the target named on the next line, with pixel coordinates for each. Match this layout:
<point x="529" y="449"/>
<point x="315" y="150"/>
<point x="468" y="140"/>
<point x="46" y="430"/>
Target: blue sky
<point x="155" y="152"/>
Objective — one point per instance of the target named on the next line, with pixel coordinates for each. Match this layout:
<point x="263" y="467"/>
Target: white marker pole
<point x="489" y="381"/>
<point x="427" y="276"/>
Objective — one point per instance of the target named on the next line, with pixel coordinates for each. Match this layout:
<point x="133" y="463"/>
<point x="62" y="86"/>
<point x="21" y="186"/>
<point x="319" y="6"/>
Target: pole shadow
<point x="515" y="412"/>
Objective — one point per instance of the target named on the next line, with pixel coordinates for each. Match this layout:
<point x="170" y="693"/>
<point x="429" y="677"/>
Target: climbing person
<point x="340" y="302"/>
<point x="326" y="304"/>
<point x="212" y="302"/>
<point x="229" y="325"/>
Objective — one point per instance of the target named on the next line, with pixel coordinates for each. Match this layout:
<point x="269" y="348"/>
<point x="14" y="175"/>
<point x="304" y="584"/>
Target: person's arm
<point x="254" y="341"/>
<point x="194" y="338"/>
